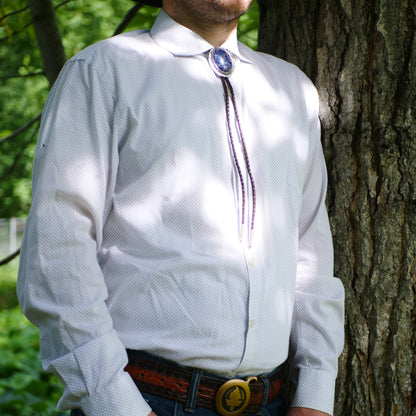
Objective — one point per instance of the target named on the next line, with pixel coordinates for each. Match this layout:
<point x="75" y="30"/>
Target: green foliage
<point x="25" y="389"/>
<point x="248" y="26"/>
<point x="92" y="21"/>
<point x="19" y="102"/>
<point x="8" y="298"/>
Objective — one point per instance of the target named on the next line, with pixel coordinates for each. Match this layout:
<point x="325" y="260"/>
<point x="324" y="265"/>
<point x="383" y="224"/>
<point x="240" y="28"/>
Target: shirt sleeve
<point x="61" y="286"/>
<point x="317" y="335"/>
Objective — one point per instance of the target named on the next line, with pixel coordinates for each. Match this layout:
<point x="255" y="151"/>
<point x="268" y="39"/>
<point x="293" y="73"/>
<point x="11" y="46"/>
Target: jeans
<point x="166" y="407"/>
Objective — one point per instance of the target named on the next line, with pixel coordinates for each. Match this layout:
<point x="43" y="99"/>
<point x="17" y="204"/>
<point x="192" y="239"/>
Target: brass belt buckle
<point x="233" y="396"/>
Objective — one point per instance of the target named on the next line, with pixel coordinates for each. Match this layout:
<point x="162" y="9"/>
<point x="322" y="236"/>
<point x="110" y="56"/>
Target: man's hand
<point x="303" y="411"/>
<point x="152" y="414"/>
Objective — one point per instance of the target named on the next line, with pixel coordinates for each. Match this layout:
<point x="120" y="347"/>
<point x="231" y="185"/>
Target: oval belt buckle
<point x="233" y="396"/>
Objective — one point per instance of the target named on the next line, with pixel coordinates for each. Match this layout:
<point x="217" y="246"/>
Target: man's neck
<point x="214" y="33"/>
<point x="216" y="36"/>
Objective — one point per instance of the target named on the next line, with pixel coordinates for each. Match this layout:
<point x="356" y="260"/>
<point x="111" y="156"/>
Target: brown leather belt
<point x="229" y="397"/>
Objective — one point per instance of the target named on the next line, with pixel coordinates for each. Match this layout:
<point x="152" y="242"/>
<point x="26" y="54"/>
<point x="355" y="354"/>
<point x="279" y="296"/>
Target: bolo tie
<point x="222" y="63"/>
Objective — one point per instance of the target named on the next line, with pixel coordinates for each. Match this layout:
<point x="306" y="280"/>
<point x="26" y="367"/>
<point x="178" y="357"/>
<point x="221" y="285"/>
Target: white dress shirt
<point x="132" y="239"/>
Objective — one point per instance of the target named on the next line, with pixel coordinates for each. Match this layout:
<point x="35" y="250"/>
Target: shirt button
<point x="251" y="262"/>
<point x="251" y="324"/>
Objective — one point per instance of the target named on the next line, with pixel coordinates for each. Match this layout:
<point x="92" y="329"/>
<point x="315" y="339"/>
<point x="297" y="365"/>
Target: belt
<point x="229" y="397"/>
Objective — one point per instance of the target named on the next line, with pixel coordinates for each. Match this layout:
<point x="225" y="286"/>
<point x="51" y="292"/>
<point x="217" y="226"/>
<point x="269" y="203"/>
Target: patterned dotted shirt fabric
<point x="132" y="239"/>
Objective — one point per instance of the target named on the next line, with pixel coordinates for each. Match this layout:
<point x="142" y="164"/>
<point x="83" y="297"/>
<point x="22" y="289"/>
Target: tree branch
<point x="9" y="258"/>
<point x="128" y="18"/>
<point x="16" y="32"/>
<point x="20" y="129"/>
<point x="32" y="74"/>
<point x="19" y="154"/>
<point x="5" y="16"/>
<point x="62" y="4"/>
<point x="48" y="37"/>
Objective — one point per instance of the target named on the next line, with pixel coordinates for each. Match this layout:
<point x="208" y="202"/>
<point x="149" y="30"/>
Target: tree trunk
<point x="48" y="37"/>
<point x="361" y="54"/>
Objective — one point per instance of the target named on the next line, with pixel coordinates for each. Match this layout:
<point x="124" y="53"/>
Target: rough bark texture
<point x="48" y="37"/>
<point x="361" y="54"/>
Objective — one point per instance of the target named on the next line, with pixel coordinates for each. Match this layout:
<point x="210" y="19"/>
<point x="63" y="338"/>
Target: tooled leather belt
<point x="229" y="397"/>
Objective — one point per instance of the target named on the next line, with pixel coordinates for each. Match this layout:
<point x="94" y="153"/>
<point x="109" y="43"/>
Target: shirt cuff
<point x="121" y="398"/>
<point x="315" y="390"/>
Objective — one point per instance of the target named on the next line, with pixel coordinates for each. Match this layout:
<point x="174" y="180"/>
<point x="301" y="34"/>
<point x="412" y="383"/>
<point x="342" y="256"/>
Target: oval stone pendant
<point x="221" y="61"/>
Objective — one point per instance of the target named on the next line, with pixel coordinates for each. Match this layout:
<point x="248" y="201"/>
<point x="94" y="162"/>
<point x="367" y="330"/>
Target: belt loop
<point x="193" y="391"/>
<point x="265" y="381"/>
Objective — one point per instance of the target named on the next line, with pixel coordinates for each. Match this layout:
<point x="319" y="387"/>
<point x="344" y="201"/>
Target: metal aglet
<point x="241" y="233"/>
<point x="250" y="239"/>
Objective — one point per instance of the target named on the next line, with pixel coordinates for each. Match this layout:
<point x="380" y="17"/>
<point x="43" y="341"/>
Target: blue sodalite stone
<point x="223" y="62"/>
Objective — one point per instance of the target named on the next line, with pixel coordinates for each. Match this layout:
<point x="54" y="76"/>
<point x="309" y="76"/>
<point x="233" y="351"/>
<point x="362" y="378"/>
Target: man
<point x="178" y="213"/>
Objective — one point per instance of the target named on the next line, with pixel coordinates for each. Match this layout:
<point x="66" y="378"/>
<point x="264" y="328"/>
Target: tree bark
<point x="361" y="54"/>
<point x="48" y="37"/>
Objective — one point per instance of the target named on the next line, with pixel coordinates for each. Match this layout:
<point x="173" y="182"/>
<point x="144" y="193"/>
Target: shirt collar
<point x="181" y="41"/>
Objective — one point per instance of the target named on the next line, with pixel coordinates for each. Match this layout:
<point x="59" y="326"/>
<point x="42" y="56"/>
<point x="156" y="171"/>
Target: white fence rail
<point x="11" y="233"/>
